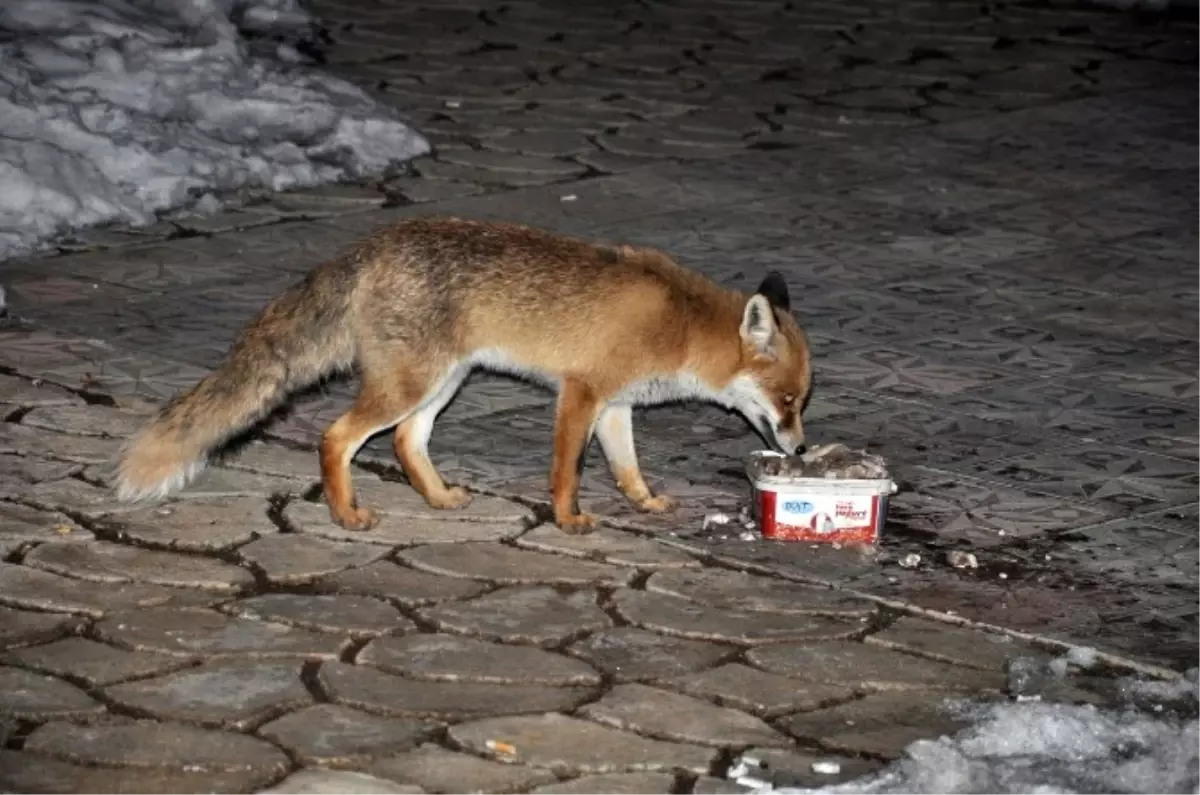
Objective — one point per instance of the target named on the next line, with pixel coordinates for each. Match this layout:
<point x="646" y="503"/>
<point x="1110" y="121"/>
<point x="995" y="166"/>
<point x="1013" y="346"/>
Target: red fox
<point x="421" y="303"/>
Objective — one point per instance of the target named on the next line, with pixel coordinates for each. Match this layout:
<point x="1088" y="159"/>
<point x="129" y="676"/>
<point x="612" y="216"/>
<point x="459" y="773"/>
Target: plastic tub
<point x="825" y="510"/>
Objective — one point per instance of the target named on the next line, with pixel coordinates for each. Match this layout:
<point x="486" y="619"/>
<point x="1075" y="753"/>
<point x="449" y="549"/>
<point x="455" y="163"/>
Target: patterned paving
<point x="987" y="218"/>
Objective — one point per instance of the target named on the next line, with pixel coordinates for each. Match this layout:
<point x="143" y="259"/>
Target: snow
<point x="1147" y="745"/>
<point x="119" y="110"/>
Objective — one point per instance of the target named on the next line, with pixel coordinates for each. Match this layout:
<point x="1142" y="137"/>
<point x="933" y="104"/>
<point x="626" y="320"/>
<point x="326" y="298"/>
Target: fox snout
<point x="789" y="441"/>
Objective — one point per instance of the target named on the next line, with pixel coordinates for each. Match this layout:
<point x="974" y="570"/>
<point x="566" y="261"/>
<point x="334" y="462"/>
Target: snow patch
<point x="1034" y="747"/>
<point x="118" y="110"/>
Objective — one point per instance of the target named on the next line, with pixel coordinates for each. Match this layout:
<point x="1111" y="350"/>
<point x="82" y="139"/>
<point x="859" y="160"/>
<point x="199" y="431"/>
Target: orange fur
<point x="419" y="304"/>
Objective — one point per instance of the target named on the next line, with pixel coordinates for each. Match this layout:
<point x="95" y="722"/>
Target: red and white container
<point x="824" y="510"/>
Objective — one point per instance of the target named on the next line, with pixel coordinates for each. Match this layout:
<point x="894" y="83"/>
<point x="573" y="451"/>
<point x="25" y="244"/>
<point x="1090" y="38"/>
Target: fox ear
<point x="774" y="288"/>
<point x="758" y="325"/>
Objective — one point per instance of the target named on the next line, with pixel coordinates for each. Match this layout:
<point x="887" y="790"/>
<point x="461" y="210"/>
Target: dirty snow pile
<point x="1148" y="746"/>
<point x="116" y="110"/>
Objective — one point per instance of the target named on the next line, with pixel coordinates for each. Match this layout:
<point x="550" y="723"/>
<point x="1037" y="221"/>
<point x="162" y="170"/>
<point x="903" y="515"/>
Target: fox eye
<point x="789" y="399"/>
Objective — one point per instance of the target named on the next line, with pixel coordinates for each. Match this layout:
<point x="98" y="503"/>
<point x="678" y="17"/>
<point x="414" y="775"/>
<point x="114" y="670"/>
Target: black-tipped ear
<point x="775" y="290"/>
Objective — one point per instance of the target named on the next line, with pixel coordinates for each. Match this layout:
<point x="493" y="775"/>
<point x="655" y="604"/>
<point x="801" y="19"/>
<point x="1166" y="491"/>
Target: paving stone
<point x="671" y="716"/>
<point x="403" y="586"/>
<point x="507" y="566"/>
<point x="115" y="563"/>
<point x="687" y="619"/>
<point x="70" y="496"/>
<point x="761" y="693"/>
<point x="534" y="615"/>
<point x="21" y="586"/>
<point x="434" y="769"/>
<point x="873" y="667"/>
<point x="21" y="526"/>
<point x="937" y="641"/>
<point x="20" y="628"/>
<point x="201" y="525"/>
<point x="486" y="178"/>
<point x="288" y="559"/>
<point x="94" y="664"/>
<point x="209" y="634"/>
<point x="274" y="459"/>
<point x="35" y="773"/>
<point x="392" y="531"/>
<point x="360" y="616"/>
<point x="736" y="590"/>
<point x="338" y="782"/>
<point x="24" y="392"/>
<point x="330" y="734"/>
<point x="367" y="689"/>
<point x="421" y="191"/>
<point x="86" y="420"/>
<point x="570" y="746"/>
<point x="232" y="694"/>
<point x="35" y="470"/>
<point x="217" y="482"/>
<point x="400" y="500"/>
<point x="208" y="760"/>
<point x="507" y="162"/>
<point x="456" y="659"/>
<point x="33" y="442"/>
<point x="26" y="695"/>
<point x="613" y="546"/>
<point x="546" y="143"/>
<point x="881" y="724"/>
<point x="629" y="654"/>
<point x="616" y="783"/>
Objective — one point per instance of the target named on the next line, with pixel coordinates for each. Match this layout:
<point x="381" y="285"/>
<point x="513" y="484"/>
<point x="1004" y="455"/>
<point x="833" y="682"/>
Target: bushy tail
<point x="300" y="337"/>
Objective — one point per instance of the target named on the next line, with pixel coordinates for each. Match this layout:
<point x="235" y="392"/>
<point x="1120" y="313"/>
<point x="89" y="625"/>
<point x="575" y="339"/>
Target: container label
<point x="823" y="514"/>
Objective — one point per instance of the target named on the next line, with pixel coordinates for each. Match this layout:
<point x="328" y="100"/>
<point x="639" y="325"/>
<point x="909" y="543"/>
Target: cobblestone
<point x="687" y="619"/>
<point x="165" y="752"/>
<point x="535" y="615"/>
<point x="357" y="616"/>
<point x="374" y="691"/>
<point x="455" y="659"/>
<point x="628" y="654"/>
<point x="93" y="664"/>
<point x="113" y="563"/>
<point x="30" y="696"/>
<point x="333" y="735"/>
<point x="291" y="559"/>
<point x="435" y="769"/>
<point x="231" y="694"/>
<point x="205" y="633"/>
<point x="569" y="745"/>
<point x="987" y="220"/>
<point x="501" y="564"/>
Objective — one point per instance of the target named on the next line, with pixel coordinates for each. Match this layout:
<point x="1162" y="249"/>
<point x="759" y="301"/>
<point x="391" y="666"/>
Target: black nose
<point x="801" y="449"/>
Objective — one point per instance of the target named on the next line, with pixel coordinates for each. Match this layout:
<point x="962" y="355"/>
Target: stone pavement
<point x="987" y="214"/>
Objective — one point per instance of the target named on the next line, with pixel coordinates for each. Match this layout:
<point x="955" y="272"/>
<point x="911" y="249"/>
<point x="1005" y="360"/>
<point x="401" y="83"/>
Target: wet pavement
<point x="986" y="213"/>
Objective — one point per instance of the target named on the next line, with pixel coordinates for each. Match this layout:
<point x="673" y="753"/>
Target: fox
<point x="421" y="303"/>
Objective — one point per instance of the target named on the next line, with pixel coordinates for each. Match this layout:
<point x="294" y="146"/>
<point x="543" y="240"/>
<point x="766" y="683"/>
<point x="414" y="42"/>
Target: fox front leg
<point x="614" y="429"/>
<point x="577" y="407"/>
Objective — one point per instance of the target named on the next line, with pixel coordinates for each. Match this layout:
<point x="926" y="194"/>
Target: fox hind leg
<point x="614" y="429"/>
<point x="381" y="403"/>
<point x="411" y="443"/>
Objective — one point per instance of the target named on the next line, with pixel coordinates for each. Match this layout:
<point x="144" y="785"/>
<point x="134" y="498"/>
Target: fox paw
<point x="660" y="504"/>
<point x="451" y="498"/>
<point x="357" y="519"/>
<point x="576" y="524"/>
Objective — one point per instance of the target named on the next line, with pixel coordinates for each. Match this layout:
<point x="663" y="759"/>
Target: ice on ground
<point x="117" y="110"/>
<point x="1035" y="747"/>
